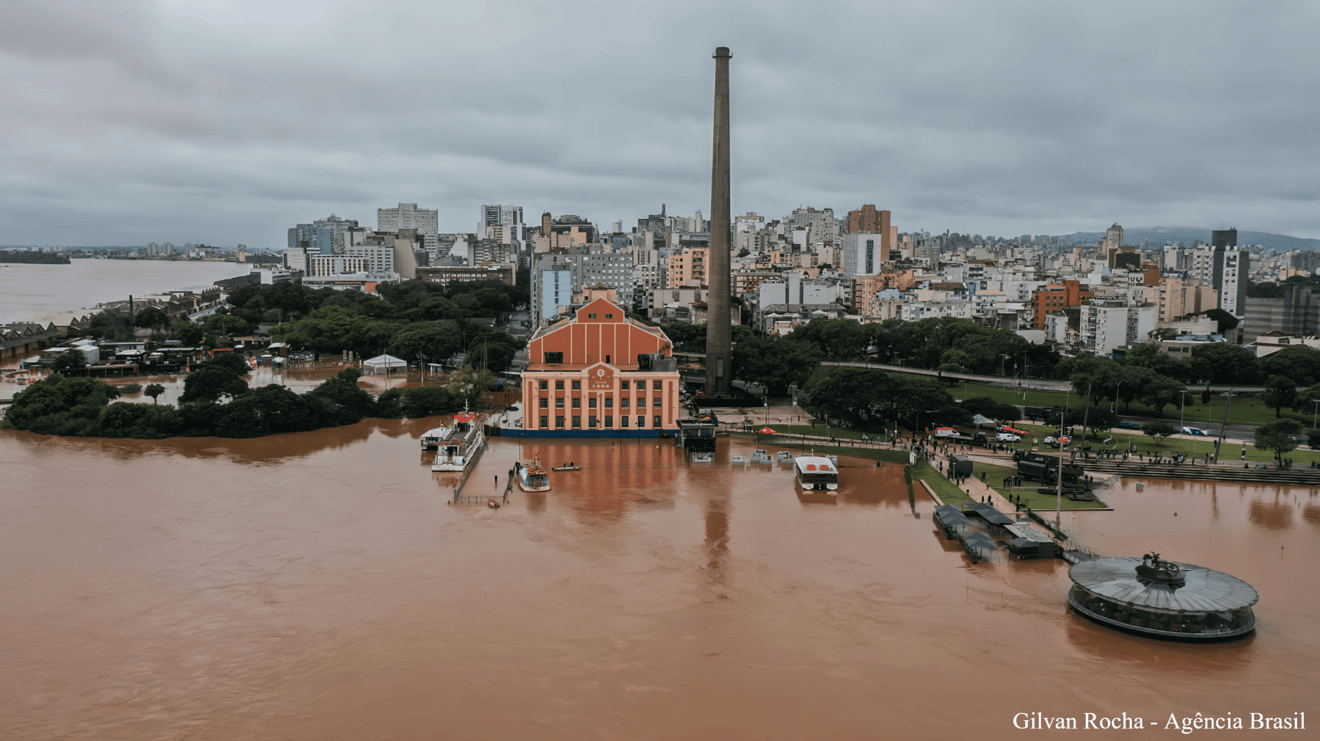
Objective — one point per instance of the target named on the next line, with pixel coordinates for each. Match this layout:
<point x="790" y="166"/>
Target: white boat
<point x="737" y="460"/>
<point x="760" y="456"/>
<point x="457" y="444"/>
<point x="703" y="457"/>
<point x="532" y="476"/>
<point x="816" y="472"/>
<point x="785" y="456"/>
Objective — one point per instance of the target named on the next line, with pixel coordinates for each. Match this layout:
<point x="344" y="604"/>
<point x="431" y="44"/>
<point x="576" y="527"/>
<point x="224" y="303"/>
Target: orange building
<point x="600" y="374"/>
<point x="1055" y="297"/>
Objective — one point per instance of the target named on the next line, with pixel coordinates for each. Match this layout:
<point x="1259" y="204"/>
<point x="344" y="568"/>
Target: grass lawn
<point x="944" y="488"/>
<point x="994" y="476"/>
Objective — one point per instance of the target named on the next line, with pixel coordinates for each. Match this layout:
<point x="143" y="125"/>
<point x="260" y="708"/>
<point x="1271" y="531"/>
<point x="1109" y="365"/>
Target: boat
<point x="456" y="445"/>
<point x="816" y="472"/>
<point x="737" y="460"/>
<point x="567" y="467"/>
<point x="703" y="457"/>
<point x="532" y="477"/>
<point x="760" y="456"/>
<point x="785" y="456"/>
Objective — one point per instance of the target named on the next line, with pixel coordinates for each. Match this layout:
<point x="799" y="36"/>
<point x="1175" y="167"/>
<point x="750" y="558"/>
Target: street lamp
<point x="1002" y="358"/>
<point x="1316" y="402"/>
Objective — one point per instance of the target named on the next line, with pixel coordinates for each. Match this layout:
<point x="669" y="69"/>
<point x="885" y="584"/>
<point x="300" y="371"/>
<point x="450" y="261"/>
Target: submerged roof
<point x="1205" y="590"/>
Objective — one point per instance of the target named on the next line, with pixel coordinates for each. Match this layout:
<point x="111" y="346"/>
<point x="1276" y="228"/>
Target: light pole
<point x="1114" y="408"/>
<point x="1182" y="413"/>
<point x="1002" y="358"/>
<point x="1316" y="402"/>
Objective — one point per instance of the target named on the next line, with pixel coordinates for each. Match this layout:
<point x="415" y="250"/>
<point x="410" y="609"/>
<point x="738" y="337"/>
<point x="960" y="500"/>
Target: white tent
<point x="982" y="420"/>
<point x="384" y="363"/>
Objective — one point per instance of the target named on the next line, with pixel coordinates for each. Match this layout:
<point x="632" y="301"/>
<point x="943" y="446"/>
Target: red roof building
<point x="600" y="374"/>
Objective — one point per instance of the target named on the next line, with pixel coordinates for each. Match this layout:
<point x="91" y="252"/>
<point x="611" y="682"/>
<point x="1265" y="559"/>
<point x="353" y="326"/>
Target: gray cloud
<point x="226" y="122"/>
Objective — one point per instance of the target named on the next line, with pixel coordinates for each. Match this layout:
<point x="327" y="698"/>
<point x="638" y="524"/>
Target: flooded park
<point x="321" y="585"/>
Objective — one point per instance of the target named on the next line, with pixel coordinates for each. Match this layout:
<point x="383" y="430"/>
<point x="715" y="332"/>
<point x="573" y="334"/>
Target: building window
<point x="577" y="385"/>
<point x="609" y="402"/>
<point x="545" y="403"/>
<point x="659" y="402"/>
<point x="656" y="421"/>
<point x="559" y="403"/>
<point x="591" y="402"/>
<point x="657" y="385"/>
<point x="641" y="421"/>
<point x="559" y="421"/>
<point x="545" y="421"/>
<point x="609" y="421"/>
<point x="591" y="316"/>
<point x="577" y="421"/>
<point x="559" y="385"/>
<point x="623" y="421"/>
<point x="591" y="421"/>
<point x="577" y="402"/>
<point x="545" y="385"/>
<point x="609" y="316"/>
<point x="622" y="385"/>
<point x="624" y="402"/>
<point x="554" y="358"/>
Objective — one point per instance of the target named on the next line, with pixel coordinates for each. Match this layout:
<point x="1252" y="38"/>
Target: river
<point x="319" y="586"/>
<point x="45" y="293"/>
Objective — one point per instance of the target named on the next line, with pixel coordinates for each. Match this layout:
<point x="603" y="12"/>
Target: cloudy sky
<point x="227" y="121"/>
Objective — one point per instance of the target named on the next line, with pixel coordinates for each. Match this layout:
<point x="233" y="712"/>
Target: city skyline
<point x="224" y="124"/>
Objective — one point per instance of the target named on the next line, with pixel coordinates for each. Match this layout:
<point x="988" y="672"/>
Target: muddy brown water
<point x="318" y="586"/>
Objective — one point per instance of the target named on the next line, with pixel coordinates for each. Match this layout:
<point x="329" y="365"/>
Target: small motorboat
<point x="531" y="476"/>
<point x="492" y="504"/>
<point x="761" y="456"/>
<point x="738" y="460"/>
<point x="567" y="467"/>
<point x="703" y="457"/>
<point x="785" y="457"/>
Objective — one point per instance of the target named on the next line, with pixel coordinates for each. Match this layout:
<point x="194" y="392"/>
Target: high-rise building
<point x="863" y="253"/>
<point x="408" y="216"/>
<point x="498" y="215"/>
<point x="1113" y="238"/>
<point x="1225" y="269"/>
<point x="868" y="220"/>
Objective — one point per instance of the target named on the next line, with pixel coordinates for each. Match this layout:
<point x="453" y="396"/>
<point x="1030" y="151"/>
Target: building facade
<point x="408" y="216"/>
<point x="600" y="374"/>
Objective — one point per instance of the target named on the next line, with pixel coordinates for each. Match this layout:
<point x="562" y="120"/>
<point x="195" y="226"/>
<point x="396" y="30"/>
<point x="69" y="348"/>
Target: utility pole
<point x="1223" y="428"/>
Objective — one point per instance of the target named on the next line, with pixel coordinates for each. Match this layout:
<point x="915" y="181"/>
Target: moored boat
<point x="816" y="472"/>
<point x="458" y="444"/>
<point x="531" y="476"/>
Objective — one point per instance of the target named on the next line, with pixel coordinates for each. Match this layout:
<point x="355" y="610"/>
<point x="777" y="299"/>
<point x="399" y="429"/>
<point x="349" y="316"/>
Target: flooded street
<point x="319" y="586"/>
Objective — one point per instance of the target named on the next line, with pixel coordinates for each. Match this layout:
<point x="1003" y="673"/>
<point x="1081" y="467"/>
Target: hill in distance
<point x="1190" y="236"/>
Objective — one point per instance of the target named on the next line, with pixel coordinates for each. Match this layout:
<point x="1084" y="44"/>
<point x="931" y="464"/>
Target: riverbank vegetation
<point x="217" y="402"/>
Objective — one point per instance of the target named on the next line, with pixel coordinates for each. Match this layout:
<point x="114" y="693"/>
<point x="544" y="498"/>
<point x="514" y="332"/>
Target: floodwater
<point x="319" y="586"/>
<point x="45" y="293"/>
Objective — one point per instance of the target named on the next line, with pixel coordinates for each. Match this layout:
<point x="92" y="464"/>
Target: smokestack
<point x="719" y="353"/>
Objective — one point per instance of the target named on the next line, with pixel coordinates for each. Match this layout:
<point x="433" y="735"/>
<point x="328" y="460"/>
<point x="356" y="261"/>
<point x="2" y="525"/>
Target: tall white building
<point x="500" y="216"/>
<point x="1105" y="326"/>
<point x="408" y="216"/>
<point x="863" y="254"/>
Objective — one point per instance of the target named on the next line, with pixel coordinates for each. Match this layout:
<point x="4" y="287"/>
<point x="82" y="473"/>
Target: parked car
<point x="1130" y="425"/>
<point x="1193" y="431"/>
<point x="1055" y="442"/>
<point x="1007" y="437"/>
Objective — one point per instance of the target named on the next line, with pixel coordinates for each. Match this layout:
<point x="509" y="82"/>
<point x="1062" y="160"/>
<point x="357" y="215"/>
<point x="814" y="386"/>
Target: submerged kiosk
<point x="1161" y="598"/>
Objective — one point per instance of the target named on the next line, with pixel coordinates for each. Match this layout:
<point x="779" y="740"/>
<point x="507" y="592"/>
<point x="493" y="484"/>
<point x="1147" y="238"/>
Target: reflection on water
<point x="321" y="585"/>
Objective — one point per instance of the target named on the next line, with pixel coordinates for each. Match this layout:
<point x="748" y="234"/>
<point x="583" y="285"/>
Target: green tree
<point x="1158" y="391"/>
<point x="1149" y="356"/>
<point x="1280" y="392"/>
<point x="211" y="383"/>
<point x="70" y="361"/>
<point x="154" y="390"/>
<point x="1298" y="362"/>
<point x="151" y="318"/>
<point x="340" y="401"/>
<point x="60" y="405"/>
<point x="227" y="325"/>
<point x="1221" y="363"/>
<point x="775" y="362"/>
<point x="189" y="334"/>
<point x="1278" y="437"/>
<point x="1158" y="429"/>
<point x="1313" y="439"/>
